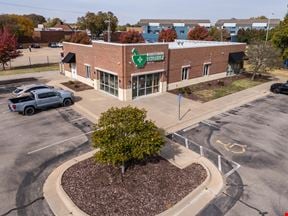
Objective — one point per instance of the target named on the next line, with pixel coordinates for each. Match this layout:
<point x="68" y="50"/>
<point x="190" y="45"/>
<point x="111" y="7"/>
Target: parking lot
<point x="255" y="136"/>
<point x="31" y="147"/>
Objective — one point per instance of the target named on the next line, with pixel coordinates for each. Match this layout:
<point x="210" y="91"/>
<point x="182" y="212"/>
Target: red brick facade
<point x="116" y="59"/>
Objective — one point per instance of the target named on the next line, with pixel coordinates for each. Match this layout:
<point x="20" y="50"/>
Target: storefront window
<point x="145" y="84"/>
<point x="109" y="83"/>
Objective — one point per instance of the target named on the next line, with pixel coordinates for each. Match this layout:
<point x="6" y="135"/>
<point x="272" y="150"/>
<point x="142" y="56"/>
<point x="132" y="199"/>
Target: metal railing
<point x="225" y="166"/>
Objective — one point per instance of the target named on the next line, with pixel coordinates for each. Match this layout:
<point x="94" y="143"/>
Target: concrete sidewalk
<point x="163" y="108"/>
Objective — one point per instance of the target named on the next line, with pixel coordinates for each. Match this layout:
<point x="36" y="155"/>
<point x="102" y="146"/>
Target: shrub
<point x="124" y="135"/>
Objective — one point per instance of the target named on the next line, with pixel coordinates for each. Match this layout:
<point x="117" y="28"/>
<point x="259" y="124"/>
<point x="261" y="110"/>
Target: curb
<point x="57" y="199"/>
<point x="61" y="204"/>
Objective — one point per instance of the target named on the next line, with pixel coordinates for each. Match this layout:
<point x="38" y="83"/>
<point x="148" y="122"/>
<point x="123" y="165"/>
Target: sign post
<point x="179" y="106"/>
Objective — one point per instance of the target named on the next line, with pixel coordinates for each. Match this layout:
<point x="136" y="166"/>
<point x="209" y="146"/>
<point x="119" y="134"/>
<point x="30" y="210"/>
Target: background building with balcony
<point x="234" y="25"/>
<point x="152" y="27"/>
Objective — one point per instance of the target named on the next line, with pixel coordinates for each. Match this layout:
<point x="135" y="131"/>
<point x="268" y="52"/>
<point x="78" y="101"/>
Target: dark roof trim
<point x="69" y="58"/>
<point x="236" y="57"/>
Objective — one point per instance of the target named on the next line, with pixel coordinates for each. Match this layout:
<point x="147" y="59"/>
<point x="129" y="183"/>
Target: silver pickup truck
<point x="40" y="99"/>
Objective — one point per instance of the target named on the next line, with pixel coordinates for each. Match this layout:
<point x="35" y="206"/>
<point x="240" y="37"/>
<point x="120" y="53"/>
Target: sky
<point x="131" y="11"/>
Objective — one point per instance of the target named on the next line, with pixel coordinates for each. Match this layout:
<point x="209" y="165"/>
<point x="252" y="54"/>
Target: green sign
<point x="141" y="59"/>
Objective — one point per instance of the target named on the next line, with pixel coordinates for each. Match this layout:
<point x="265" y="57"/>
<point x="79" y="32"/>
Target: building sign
<point x="141" y="59"/>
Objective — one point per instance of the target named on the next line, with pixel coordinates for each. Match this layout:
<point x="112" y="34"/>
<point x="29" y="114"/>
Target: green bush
<point x="124" y="135"/>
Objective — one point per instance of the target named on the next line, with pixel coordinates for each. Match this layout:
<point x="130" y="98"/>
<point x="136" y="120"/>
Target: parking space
<point x="255" y="136"/>
<point x="31" y="147"/>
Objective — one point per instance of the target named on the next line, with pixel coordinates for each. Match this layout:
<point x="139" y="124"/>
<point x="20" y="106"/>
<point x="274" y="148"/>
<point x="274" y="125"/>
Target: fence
<point x="226" y="167"/>
<point x="34" y="60"/>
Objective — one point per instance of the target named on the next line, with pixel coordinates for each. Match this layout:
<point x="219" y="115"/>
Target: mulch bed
<point x="213" y="84"/>
<point x="148" y="188"/>
<point x="77" y="86"/>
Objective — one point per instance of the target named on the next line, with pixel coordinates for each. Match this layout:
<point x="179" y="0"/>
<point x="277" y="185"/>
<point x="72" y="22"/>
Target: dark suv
<point x="279" y="88"/>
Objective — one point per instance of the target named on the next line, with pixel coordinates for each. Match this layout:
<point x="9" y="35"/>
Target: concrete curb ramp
<point x="61" y="204"/>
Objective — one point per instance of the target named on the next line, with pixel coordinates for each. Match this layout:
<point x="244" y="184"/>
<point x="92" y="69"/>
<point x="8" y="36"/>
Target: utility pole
<point x="268" y="27"/>
<point x="109" y="29"/>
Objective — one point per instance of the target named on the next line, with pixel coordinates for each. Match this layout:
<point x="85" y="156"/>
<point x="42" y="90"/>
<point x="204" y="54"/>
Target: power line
<point x="40" y="8"/>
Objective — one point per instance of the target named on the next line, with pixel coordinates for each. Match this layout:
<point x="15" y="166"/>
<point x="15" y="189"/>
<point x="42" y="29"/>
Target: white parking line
<point x="57" y="143"/>
<point x="5" y="112"/>
<point x="77" y="119"/>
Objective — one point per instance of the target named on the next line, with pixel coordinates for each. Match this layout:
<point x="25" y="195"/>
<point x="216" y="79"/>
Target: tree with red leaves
<point x="199" y="33"/>
<point x="131" y="37"/>
<point x="168" y="35"/>
<point x="8" y="47"/>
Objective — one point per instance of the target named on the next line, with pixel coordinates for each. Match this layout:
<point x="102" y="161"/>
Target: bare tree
<point x="263" y="57"/>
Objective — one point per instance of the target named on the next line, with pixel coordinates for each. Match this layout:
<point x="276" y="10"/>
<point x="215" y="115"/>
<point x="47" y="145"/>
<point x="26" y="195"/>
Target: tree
<point x="124" y="135"/>
<point x="280" y="37"/>
<point x="97" y="23"/>
<point x="8" y="47"/>
<point x="79" y="37"/>
<point x="262" y="17"/>
<point x="199" y="33"/>
<point x="18" y="25"/>
<point x="36" y="19"/>
<point x="262" y="57"/>
<point x="131" y="37"/>
<point x="251" y="35"/>
<point x="219" y="34"/>
<point x="168" y="35"/>
<point x="52" y="22"/>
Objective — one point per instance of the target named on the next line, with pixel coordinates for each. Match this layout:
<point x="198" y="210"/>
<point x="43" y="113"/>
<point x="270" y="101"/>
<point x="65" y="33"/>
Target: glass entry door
<point x="145" y="84"/>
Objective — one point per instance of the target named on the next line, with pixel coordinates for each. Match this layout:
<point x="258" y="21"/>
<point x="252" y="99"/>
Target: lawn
<point x="235" y="86"/>
<point x="211" y="90"/>
<point x="27" y="69"/>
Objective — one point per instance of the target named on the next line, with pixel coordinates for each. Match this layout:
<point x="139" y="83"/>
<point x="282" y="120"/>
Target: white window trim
<point x="106" y="71"/>
<point x="208" y="70"/>
<point x="187" y="74"/>
<point x="86" y="66"/>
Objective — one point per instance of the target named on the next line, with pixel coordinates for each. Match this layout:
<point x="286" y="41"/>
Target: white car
<point x="22" y="90"/>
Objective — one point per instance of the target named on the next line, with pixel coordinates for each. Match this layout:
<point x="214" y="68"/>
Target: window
<point x="145" y="84"/>
<point x="206" y="68"/>
<point x="182" y="32"/>
<point x="88" y="71"/>
<point x="185" y="73"/>
<point x="109" y="83"/>
<point x="47" y="95"/>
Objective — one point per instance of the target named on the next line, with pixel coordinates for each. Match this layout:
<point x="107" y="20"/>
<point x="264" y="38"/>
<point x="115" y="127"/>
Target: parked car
<point x="279" y="88"/>
<point x="60" y="45"/>
<point x="40" y="99"/>
<point x="20" y="46"/>
<point x="53" y="45"/>
<point x="20" y="91"/>
<point x="35" y="45"/>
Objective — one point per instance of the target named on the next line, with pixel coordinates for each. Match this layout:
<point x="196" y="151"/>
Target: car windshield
<point x="18" y="90"/>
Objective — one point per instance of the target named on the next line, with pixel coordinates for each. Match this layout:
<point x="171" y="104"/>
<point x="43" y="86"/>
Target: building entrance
<point x="145" y="84"/>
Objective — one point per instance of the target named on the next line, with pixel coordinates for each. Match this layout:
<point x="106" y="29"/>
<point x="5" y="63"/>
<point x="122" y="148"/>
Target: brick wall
<point x="130" y="67"/>
<point x="196" y="57"/>
<point x="50" y="36"/>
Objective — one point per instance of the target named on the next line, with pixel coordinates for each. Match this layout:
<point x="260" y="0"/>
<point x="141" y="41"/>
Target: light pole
<point x="268" y="27"/>
<point x="109" y="29"/>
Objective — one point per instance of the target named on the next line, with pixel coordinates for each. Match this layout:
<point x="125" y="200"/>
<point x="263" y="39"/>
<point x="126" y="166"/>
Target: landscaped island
<point x="148" y="187"/>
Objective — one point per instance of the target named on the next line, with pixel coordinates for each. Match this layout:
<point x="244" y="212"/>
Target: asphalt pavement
<point x="255" y="136"/>
<point x="31" y="147"/>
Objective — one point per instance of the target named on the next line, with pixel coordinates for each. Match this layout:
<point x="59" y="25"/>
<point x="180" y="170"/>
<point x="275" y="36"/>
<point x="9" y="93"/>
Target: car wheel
<point x="29" y="111"/>
<point x="67" y="102"/>
<point x="276" y="91"/>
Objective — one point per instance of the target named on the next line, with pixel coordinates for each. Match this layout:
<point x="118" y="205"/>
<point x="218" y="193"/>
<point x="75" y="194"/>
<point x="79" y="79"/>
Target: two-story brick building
<point x="129" y="71"/>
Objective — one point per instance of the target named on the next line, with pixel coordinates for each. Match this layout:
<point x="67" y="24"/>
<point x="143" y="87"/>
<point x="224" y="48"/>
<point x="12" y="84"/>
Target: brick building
<point x="129" y="71"/>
